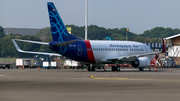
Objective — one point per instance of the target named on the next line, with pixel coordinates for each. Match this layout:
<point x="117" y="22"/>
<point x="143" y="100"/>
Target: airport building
<point x="22" y="31"/>
<point x="173" y="43"/>
<point x="154" y="45"/>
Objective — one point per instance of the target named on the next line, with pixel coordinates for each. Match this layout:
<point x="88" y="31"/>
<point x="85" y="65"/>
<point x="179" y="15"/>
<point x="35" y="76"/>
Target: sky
<point x="138" y="15"/>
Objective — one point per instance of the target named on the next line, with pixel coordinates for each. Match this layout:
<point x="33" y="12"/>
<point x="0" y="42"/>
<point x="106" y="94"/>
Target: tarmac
<point x="79" y="85"/>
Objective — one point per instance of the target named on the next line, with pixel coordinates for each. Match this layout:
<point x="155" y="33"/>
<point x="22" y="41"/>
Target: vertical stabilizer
<point x="58" y="29"/>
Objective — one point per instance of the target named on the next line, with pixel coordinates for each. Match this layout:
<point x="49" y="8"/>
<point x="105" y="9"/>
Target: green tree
<point x="160" y="32"/>
<point x="2" y="34"/>
<point x="77" y="31"/>
<point x="117" y="36"/>
<point x="97" y="33"/>
<point x="44" y="33"/>
<point x="8" y="49"/>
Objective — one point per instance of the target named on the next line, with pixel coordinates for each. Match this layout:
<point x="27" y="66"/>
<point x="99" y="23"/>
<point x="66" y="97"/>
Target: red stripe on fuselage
<point x="90" y="54"/>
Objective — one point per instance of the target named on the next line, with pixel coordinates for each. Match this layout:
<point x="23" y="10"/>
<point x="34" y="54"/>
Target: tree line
<point x="7" y="48"/>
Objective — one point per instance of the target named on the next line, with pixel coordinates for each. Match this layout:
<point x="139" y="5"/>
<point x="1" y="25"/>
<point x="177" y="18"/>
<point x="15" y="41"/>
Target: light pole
<point x="86" y="18"/>
<point x="127" y="34"/>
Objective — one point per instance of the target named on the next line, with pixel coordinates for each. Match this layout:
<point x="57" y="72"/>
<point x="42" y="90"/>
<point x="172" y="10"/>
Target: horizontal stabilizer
<point x="42" y="53"/>
<point x="42" y="43"/>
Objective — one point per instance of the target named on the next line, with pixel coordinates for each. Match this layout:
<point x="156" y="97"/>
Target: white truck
<point x="74" y="63"/>
<point x="51" y="65"/>
<point x="67" y="63"/>
<point x="70" y="64"/>
<point x="23" y="62"/>
<point x="46" y="65"/>
<point x="54" y="65"/>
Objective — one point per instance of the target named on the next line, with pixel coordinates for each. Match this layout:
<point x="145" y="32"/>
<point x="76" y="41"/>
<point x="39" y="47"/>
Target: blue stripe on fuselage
<point x="76" y="51"/>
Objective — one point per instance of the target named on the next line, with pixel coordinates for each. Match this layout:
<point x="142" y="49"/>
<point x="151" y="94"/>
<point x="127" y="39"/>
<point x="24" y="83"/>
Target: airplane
<point x="95" y="52"/>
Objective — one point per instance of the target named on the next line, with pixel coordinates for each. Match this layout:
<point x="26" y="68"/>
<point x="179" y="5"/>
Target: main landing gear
<point x="115" y="68"/>
<point x="141" y="69"/>
<point x="90" y="67"/>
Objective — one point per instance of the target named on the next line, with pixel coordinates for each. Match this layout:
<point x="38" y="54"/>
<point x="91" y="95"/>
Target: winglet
<point x="163" y="47"/>
<point x="17" y="47"/>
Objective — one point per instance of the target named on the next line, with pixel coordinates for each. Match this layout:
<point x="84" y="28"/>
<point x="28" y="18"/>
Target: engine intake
<point x="141" y="62"/>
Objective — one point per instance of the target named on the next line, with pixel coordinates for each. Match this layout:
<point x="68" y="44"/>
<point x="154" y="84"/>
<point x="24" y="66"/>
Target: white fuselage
<point x="113" y="49"/>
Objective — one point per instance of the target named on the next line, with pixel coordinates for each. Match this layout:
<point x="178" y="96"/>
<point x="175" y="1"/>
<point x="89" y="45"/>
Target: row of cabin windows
<point x="136" y="49"/>
<point x="109" y="49"/>
<point x="117" y="49"/>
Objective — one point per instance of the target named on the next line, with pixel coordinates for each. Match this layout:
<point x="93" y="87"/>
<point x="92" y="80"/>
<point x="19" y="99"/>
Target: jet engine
<point x="141" y="62"/>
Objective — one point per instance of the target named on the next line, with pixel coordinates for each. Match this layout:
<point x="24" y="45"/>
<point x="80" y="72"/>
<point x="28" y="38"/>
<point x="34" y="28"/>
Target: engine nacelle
<point x="141" y="62"/>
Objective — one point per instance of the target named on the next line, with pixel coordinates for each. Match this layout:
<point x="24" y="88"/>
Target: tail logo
<point x="79" y="53"/>
<point x="57" y="27"/>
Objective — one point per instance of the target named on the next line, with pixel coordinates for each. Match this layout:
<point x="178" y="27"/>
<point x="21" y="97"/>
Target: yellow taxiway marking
<point x="116" y="78"/>
<point x="108" y="78"/>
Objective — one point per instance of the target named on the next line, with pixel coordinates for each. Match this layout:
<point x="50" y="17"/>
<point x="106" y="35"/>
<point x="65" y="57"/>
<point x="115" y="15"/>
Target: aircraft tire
<point x="93" y="68"/>
<point x="88" y="68"/>
<point x="113" y="68"/>
<point x="118" y="68"/>
<point x="141" y="69"/>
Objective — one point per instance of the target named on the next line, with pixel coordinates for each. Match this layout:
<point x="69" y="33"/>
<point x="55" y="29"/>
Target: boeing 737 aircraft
<point x="93" y="52"/>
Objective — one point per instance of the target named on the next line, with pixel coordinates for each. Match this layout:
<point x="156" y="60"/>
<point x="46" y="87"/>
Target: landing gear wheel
<point x="93" y="68"/>
<point x="88" y="68"/>
<point x="118" y="68"/>
<point x="113" y="68"/>
<point x="141" y="69"/>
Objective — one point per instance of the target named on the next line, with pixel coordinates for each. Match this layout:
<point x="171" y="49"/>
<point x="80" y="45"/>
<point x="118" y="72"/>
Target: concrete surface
<point x="79" y="85"/>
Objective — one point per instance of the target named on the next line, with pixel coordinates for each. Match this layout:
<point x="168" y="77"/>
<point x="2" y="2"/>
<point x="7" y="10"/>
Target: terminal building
<point x="154" y="45"/>
<point x="22" y="31"/>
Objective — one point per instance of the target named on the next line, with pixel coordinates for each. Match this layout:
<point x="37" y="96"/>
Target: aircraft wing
<point x="130" y="57"/>
<point x="136" y="56"/>
<point x="43" y="53"/>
